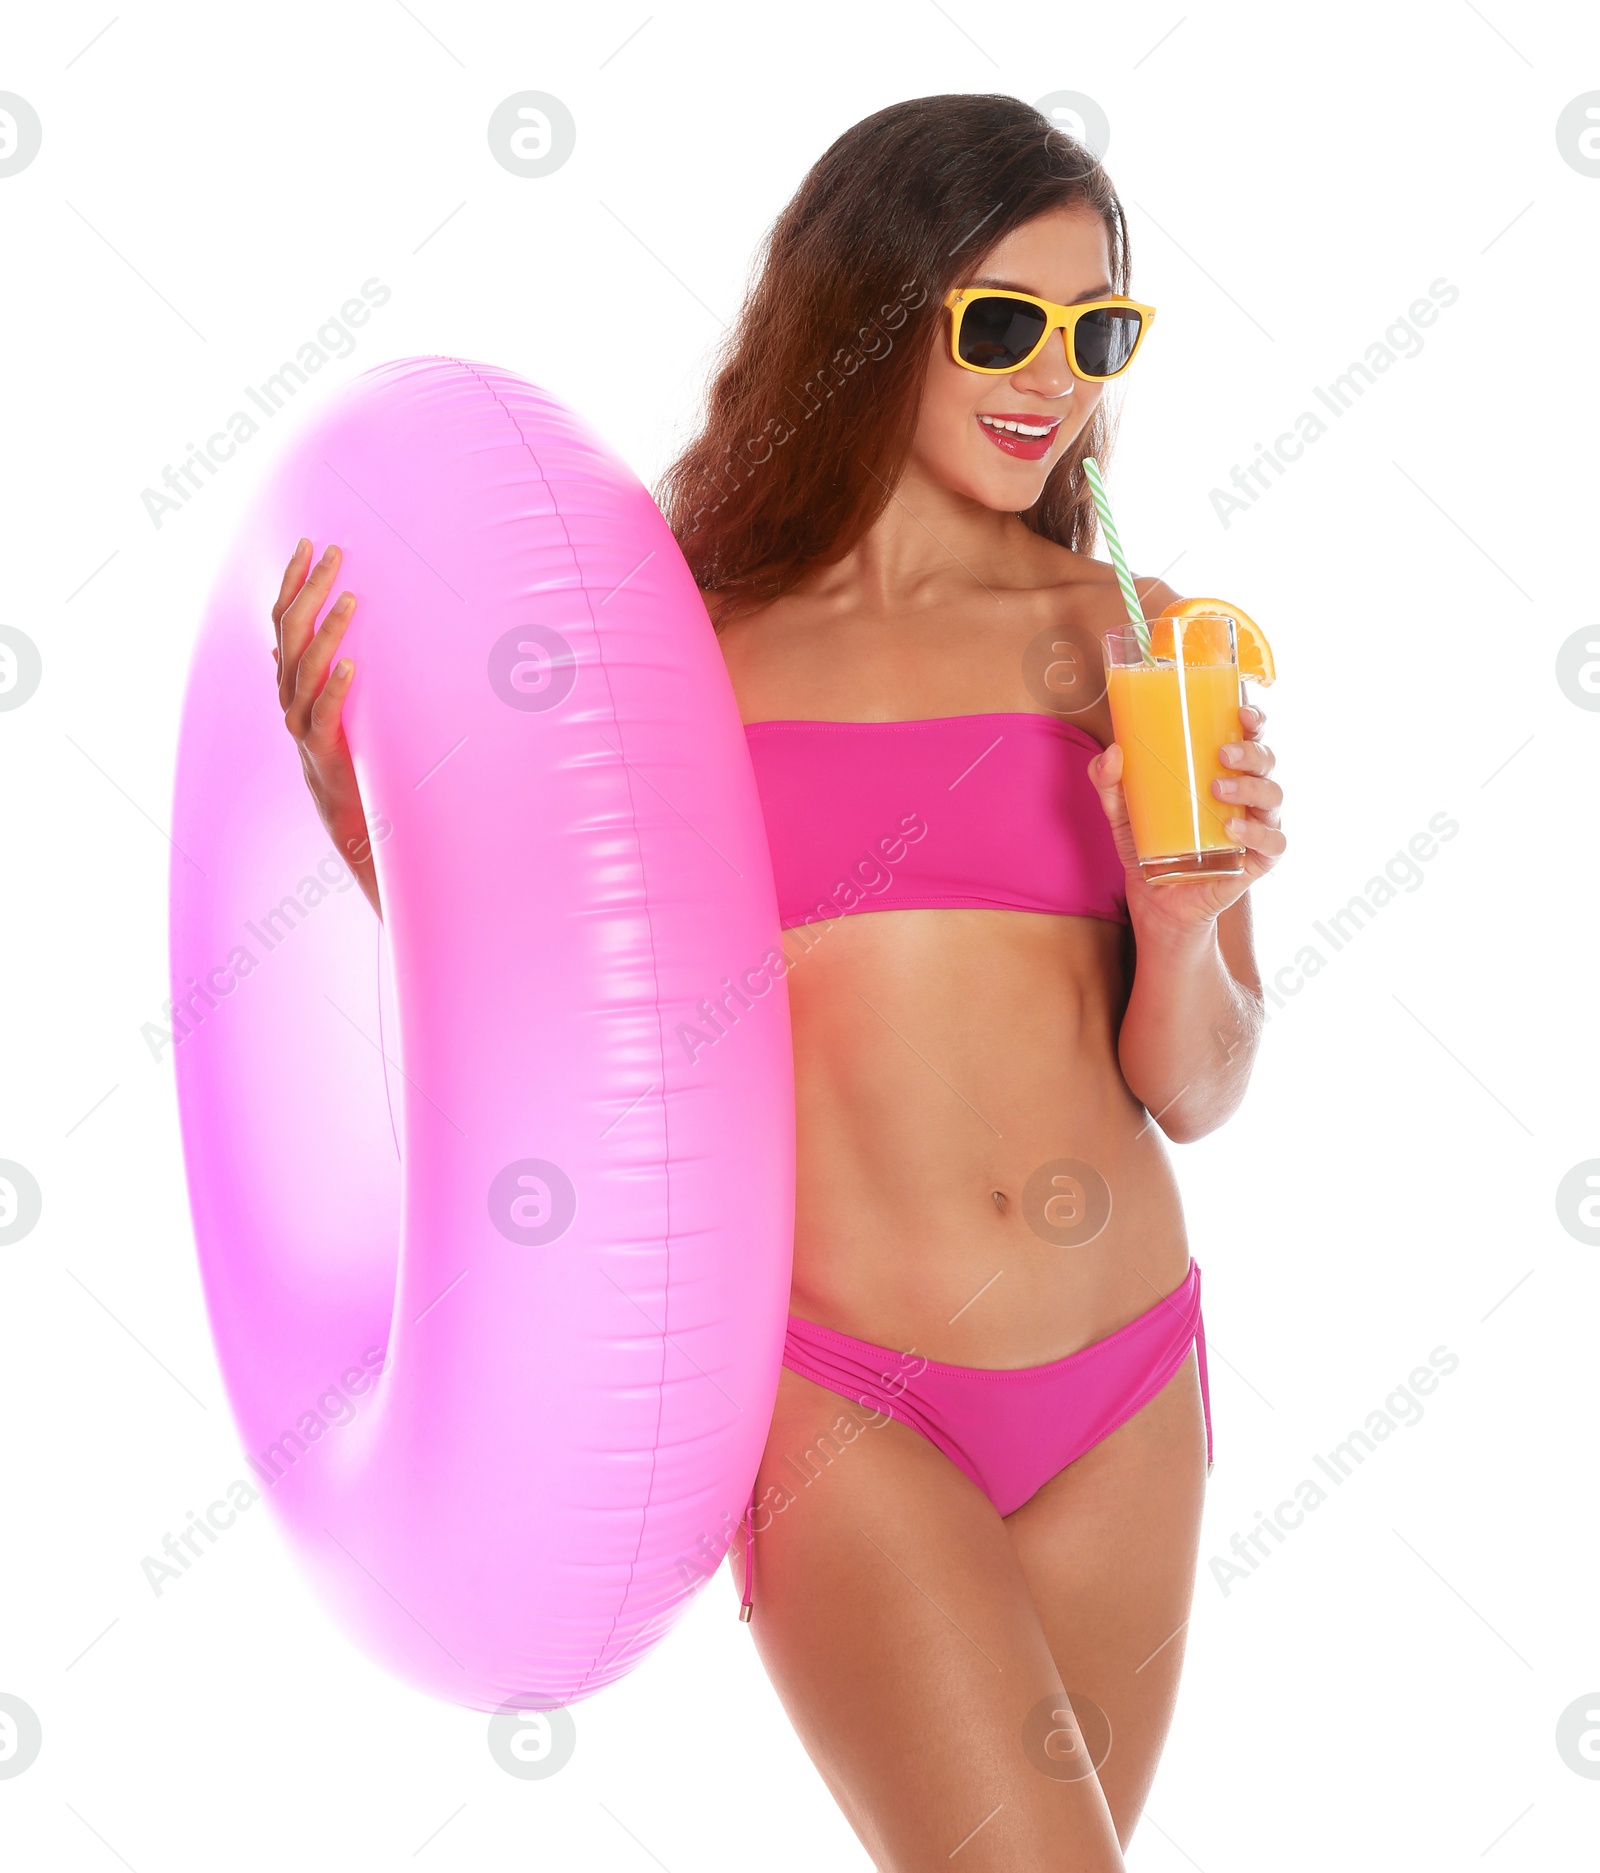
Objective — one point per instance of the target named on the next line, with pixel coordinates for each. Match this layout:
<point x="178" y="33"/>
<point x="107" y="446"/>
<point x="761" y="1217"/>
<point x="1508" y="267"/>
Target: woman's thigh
<point x="1109" y="1549"/>
<point x="893" y="1613"/>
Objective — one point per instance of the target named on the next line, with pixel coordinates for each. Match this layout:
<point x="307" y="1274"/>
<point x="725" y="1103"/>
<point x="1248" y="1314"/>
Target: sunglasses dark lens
<point x="997" y="334"/>
<point x="1104" y="340"/>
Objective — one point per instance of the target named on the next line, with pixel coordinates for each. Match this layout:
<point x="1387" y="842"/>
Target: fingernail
<point x="1224" y="785"/>
<point x="342" y="668"/>
<point x="1230" y="751"/>
<point x="1235" y="826"/>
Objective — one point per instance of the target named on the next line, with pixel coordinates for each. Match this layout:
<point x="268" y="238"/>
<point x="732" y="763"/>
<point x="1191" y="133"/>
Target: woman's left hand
<point x="1249" y="797"/>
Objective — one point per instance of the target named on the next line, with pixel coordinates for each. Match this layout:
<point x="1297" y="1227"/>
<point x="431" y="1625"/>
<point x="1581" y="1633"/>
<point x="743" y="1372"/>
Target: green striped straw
<point x="1091" y="470"/>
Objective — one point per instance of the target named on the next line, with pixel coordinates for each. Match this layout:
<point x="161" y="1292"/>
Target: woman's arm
<point x="1193" y="1022"/>
<point x="1194" y="1015"/>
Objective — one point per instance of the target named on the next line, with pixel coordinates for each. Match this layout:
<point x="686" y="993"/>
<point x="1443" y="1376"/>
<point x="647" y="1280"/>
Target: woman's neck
<point x="926" y="541"/>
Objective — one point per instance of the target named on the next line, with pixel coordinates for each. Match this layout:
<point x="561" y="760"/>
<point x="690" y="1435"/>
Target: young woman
<point x="976" y="1522"/>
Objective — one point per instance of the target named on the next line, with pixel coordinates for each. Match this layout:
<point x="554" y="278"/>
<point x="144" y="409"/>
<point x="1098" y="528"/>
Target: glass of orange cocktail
<point x="1174" y="702"/>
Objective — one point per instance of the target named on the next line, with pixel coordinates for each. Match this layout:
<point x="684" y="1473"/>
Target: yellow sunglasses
<point x="997" y="332"/>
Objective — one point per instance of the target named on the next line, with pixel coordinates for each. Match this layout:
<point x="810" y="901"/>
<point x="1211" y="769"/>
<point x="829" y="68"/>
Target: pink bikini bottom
<point x="1008" y="1428"/>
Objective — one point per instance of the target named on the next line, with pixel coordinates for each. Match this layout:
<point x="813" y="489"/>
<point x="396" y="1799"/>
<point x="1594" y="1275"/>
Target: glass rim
<point x="1121" y="645"/>
<point x="1128" y="630"/>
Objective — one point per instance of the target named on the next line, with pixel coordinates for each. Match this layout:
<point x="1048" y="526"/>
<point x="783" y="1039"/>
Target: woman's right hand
<point x="312" y="697"/>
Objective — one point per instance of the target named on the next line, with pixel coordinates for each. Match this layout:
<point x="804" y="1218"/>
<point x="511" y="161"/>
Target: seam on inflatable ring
<point x="644" y="881"/>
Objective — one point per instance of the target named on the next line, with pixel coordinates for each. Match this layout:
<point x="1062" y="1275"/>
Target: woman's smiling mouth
<point x="1019" y="434"/>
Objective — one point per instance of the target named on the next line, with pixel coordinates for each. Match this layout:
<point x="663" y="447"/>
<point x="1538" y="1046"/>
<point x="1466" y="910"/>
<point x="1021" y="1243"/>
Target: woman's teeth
<point x="1036" y="430"/>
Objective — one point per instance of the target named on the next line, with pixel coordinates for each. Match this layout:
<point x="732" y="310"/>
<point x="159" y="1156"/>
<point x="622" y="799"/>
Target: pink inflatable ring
<point x="456" y="1171"/>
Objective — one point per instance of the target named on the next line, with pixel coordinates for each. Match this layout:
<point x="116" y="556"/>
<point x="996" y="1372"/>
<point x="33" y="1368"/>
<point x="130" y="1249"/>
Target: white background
<point x="213" y="183"/>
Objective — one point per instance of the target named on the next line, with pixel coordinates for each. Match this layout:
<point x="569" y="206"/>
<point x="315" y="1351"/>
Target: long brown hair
<point x="813" y="403"/>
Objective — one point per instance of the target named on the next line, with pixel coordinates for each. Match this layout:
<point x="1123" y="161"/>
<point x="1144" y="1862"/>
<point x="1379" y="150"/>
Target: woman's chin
<point x="990" y="479"/>
<point x="1009" y="493"/>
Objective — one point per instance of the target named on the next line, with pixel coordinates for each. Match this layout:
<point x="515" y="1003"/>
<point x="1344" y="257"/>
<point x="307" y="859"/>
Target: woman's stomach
<point x="974" y="1181"/>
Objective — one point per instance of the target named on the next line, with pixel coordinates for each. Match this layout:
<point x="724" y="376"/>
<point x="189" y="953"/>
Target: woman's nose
<point x="1048" y="375"/>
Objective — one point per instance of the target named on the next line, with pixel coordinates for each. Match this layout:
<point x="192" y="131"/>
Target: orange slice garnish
<point x="1203" y="646"/>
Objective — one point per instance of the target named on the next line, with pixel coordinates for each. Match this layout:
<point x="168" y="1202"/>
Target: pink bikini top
<point x="982" y="812"/>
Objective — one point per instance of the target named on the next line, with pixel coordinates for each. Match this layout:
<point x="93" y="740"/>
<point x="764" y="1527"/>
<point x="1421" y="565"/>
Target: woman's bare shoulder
<point x="760" y="652"/>
<point x="735" y="615"/>
<point x="1091" y="588"/>
<point x="716" y="604"/>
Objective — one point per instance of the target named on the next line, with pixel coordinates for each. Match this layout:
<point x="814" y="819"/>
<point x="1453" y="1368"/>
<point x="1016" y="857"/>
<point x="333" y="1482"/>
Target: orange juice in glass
<point x="1171" y="714"/>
